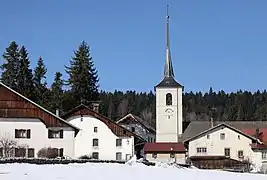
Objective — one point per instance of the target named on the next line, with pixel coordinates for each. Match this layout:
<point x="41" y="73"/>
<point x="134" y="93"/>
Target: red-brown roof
<point x="15" y="105"/>
<point x="258" y="146"/>
<point x="252" y="132"/>
<point x="114" y="127"/>
<point x="164" y="147"/>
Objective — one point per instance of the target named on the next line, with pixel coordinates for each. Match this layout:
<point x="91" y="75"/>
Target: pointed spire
<point x="168" y="70"/>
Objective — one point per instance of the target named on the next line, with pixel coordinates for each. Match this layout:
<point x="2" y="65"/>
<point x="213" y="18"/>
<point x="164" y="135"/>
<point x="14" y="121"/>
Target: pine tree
<point x="83" y="78"/>
<point x="25" y="78"/>
<point x="39" y="80"/>
<point x="56" y="97"/>
<point x="10" y="67"/>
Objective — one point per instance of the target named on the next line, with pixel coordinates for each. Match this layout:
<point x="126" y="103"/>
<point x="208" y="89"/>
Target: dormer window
<point x="168" y="99"/>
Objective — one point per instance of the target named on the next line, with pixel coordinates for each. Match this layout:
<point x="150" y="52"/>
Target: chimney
<point x="213" y="114"/>
<point x="95" y="106"/>
<point x="211" y="122"/>
<point x="57" y="112"/>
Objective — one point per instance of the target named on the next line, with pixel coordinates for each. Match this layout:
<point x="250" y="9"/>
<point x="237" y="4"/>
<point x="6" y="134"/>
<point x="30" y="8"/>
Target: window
<point x="264" y="155"/>
<point x="240" y="154"/>
<point x="201" y="150"/>
<point x="20" y="152"/>
<point x="30" y="153"/>
<point x="118" y="156"/>
<point x="55" y="134"/>
<point x="95" y="155"/>
<point x="238" y="136"/>
<point x="95" y="129"/>
<point x="118" y="142"/>
<point x="227" y="151"/>
<point x="154" y="155"/>
<point x="133" y="129"/>
<point x="1" y="152"/>
<point x="172" y="155"/>
<point x="95" y="142"/>
<point x="168" y="99"/>
<point x="222" y="136"/>
<point x="23" y="133"/>
<point x="208" y="136"/>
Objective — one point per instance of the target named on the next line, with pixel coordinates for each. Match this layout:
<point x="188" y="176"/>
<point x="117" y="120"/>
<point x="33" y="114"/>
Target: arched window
<point x="168" y="99"/>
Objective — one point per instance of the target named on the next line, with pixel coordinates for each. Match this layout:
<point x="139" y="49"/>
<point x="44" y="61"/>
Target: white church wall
<point x="168" y="117"/>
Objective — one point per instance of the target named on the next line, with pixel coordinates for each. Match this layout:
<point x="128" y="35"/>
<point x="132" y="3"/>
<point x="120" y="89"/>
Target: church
<point x="169" y="115"/>
<point x="206" y="144"/>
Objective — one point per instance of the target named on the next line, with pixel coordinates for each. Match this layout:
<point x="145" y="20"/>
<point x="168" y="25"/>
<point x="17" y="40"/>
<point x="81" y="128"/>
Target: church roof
<point x="168" y="80"/>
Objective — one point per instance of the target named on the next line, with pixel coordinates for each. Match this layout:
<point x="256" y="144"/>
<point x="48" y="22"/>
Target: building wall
<point x="165" y="157"/>
<point x="140" y="131"/>
<point x="233" y="140"/>
<point x="168" y="129"/>
<point x="107" y="140"/>
<point x="39" y="135"/>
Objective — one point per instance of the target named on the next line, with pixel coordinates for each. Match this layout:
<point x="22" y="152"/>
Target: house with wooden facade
<point x="138" y="126"/>
<point x="26" y="127"/>
<point x="101" y="138"/>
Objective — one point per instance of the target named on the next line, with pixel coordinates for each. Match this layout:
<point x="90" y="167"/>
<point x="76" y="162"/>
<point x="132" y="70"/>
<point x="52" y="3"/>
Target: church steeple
<point x="168" y="80"/>
<point x="168" y="70"/>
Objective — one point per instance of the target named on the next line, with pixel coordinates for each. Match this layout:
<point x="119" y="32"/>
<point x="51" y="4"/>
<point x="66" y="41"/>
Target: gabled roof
<point x="139" y="120"/>
<point x="40" y="108"/>
<point x="217" y="127"/>
<point x="196" y="127"/>
<point x="114" y="127"/>
<point x="164" y="147"/>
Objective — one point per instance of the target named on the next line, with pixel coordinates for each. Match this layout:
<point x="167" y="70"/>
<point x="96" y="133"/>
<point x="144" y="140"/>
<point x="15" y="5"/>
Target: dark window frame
<point x="168" y="99"/>
<point x="95" y="142"/>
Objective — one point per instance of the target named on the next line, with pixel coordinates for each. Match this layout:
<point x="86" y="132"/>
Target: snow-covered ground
<point x="97" y="171"/>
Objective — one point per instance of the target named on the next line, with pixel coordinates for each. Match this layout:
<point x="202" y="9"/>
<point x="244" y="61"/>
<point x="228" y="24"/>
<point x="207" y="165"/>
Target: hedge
<point x="41" y="161"/>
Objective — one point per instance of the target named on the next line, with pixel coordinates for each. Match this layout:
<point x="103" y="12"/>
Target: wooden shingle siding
<point x="14" y="106"/>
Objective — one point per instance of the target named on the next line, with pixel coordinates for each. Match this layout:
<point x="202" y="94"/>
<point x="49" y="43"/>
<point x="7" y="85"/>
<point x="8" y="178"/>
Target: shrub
<point x="48" y="153"/>
<point x="85" y="157"/>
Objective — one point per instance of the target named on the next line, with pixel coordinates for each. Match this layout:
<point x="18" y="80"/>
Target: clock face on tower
<point x="169" y="112"/>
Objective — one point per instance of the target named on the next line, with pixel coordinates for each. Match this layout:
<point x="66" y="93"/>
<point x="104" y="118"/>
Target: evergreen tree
<point x="83" y="78"/>
<point x="56" y="97"/>
<point x="25" y="78"/>
<point x="10" y="67"/>
<point x="39" y="80"/>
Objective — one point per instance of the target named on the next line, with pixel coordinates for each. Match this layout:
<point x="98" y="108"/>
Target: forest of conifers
<point x="82" y="85"/>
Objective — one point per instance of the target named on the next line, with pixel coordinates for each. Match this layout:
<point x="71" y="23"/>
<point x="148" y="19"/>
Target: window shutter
<point x="61" y="152"/>
<point x="28" y="133"/>
<point x="16" y="133"/>
<point x="61" y="133"/>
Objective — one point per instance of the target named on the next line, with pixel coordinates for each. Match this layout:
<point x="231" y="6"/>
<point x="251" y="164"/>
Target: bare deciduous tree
<point x="8" y="146"/>
<point x="147" y="115"/>
<point x="123" y="107"/>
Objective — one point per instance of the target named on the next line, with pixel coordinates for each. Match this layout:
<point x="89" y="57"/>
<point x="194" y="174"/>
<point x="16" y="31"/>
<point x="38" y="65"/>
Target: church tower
<point x="169" y="107"/>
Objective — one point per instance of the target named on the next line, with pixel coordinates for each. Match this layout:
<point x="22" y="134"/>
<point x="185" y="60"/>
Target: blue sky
<point x="222" y="44"/>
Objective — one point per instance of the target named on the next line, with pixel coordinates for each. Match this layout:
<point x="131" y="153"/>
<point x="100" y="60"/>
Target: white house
<point x="224" y="140"/>
<point x="99" y="137"/>
<point x="27" y="127"/>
